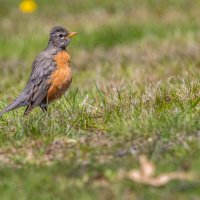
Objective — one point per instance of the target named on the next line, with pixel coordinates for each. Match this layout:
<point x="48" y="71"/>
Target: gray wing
<point x="39" y="81"/>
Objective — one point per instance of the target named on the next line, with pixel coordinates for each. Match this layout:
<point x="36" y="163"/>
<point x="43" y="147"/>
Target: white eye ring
<point x="60" y="35"/>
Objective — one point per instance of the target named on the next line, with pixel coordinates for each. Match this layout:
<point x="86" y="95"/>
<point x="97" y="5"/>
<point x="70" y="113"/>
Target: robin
<point x="51" y="74"/>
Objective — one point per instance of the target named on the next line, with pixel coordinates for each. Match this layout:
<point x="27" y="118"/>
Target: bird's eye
<point x="60" y="35"/>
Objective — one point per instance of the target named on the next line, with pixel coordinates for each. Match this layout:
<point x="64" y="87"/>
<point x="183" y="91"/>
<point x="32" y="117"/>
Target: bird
<point x="50" y="76"/>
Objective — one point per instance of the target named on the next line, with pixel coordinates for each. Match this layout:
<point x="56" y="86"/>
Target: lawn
<point x="135" y="91"/>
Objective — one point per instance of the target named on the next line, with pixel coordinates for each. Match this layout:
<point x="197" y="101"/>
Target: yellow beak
<point x="70" y="34"/>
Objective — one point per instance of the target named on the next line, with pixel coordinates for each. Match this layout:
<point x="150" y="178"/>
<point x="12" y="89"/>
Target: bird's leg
<point x="44" y="107"/>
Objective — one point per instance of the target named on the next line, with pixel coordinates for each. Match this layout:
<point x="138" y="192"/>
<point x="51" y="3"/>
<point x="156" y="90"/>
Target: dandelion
<point x="27" y="6"/>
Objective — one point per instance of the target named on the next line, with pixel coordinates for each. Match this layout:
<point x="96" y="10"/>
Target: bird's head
<point x="60" y="37"/>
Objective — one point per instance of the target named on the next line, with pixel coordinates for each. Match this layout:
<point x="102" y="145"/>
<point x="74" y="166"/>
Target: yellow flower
<point x="27" y="6"/>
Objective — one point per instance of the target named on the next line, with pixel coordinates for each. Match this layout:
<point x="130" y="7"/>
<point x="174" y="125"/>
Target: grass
<point x="135" y="91"/>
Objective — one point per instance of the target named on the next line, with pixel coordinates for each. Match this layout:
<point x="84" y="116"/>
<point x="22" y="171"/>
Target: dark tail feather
<point x="12" y="106"/>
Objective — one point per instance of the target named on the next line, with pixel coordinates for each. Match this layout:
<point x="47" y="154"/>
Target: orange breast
<point x="61" y="78"/>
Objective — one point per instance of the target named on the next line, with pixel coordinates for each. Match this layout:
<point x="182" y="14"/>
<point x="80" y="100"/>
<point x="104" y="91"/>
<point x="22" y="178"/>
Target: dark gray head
<point x="60" y="37"/>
